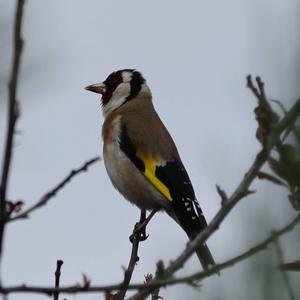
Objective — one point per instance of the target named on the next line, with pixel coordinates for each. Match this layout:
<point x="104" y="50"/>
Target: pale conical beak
<point x="98" y="88"/>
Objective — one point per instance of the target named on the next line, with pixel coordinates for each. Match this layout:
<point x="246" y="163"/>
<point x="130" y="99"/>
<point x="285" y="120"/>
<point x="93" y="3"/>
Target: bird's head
<point x="118" y="88"/>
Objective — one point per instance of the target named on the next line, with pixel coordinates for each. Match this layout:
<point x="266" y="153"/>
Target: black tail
<point x="205" y="257"/>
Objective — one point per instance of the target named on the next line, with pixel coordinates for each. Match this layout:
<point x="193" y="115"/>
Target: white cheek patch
<point x="118" y="98"/>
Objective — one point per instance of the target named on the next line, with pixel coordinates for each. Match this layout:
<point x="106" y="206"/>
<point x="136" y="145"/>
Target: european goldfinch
<point x="141" y="158"/>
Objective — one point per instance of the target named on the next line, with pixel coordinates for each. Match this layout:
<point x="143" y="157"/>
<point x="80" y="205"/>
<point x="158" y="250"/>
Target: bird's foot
<point x="139" y="232"/>
<point x="141" y="229"/>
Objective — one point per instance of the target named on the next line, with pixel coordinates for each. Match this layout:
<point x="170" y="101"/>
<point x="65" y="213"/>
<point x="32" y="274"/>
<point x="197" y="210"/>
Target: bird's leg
<point x="142" y="235"/>
<point x="143" y="216"/>
<point x="140" y="227"/>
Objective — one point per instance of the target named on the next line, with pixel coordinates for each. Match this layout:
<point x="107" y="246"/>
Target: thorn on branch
<point x="222" y="194"/>
<point x="86" y="281"/>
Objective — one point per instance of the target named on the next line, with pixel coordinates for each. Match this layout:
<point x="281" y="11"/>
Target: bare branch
<point x="13" y="113"/>
<point x="44" y="199"/>
<point x="135" y="240"/>
<point x="217" y="268"/>
<point x="155" y="283"/>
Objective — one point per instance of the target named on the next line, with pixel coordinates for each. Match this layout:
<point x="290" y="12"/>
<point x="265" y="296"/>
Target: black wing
<point x="185" y="204"/>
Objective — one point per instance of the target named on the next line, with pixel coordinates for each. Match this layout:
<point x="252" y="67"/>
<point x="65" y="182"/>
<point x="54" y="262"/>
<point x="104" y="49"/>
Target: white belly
<point x="129" y="181"/>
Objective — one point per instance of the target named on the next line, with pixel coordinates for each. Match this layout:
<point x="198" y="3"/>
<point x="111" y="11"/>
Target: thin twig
<point x="222" y="194"/>
<point x="13" y="113"/>
<point x="160" y="282"/>
<point x="44" y="199"/>
<point x="135" y="240"/>
<point x="284" y="275"/>
<point x="57" y="273"/>
<point x="260" y="94"/>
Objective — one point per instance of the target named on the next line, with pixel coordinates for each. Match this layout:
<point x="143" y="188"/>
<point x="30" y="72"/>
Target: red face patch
<point x="111" y="82"/>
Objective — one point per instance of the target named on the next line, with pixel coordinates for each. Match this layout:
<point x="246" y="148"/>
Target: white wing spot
<point x="189" y="209"/>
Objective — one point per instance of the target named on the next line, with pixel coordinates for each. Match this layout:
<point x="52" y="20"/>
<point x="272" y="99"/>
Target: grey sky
<point x="195" y="56"/>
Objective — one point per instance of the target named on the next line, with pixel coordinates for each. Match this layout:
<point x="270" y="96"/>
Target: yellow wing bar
<point x="151" y="163"/>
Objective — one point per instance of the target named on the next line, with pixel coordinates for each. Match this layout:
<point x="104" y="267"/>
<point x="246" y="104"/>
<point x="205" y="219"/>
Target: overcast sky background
<point x="195" y="56"/>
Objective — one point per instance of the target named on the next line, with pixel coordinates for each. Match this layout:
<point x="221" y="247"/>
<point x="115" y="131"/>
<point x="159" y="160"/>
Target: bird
<point x="141" y="158"/>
